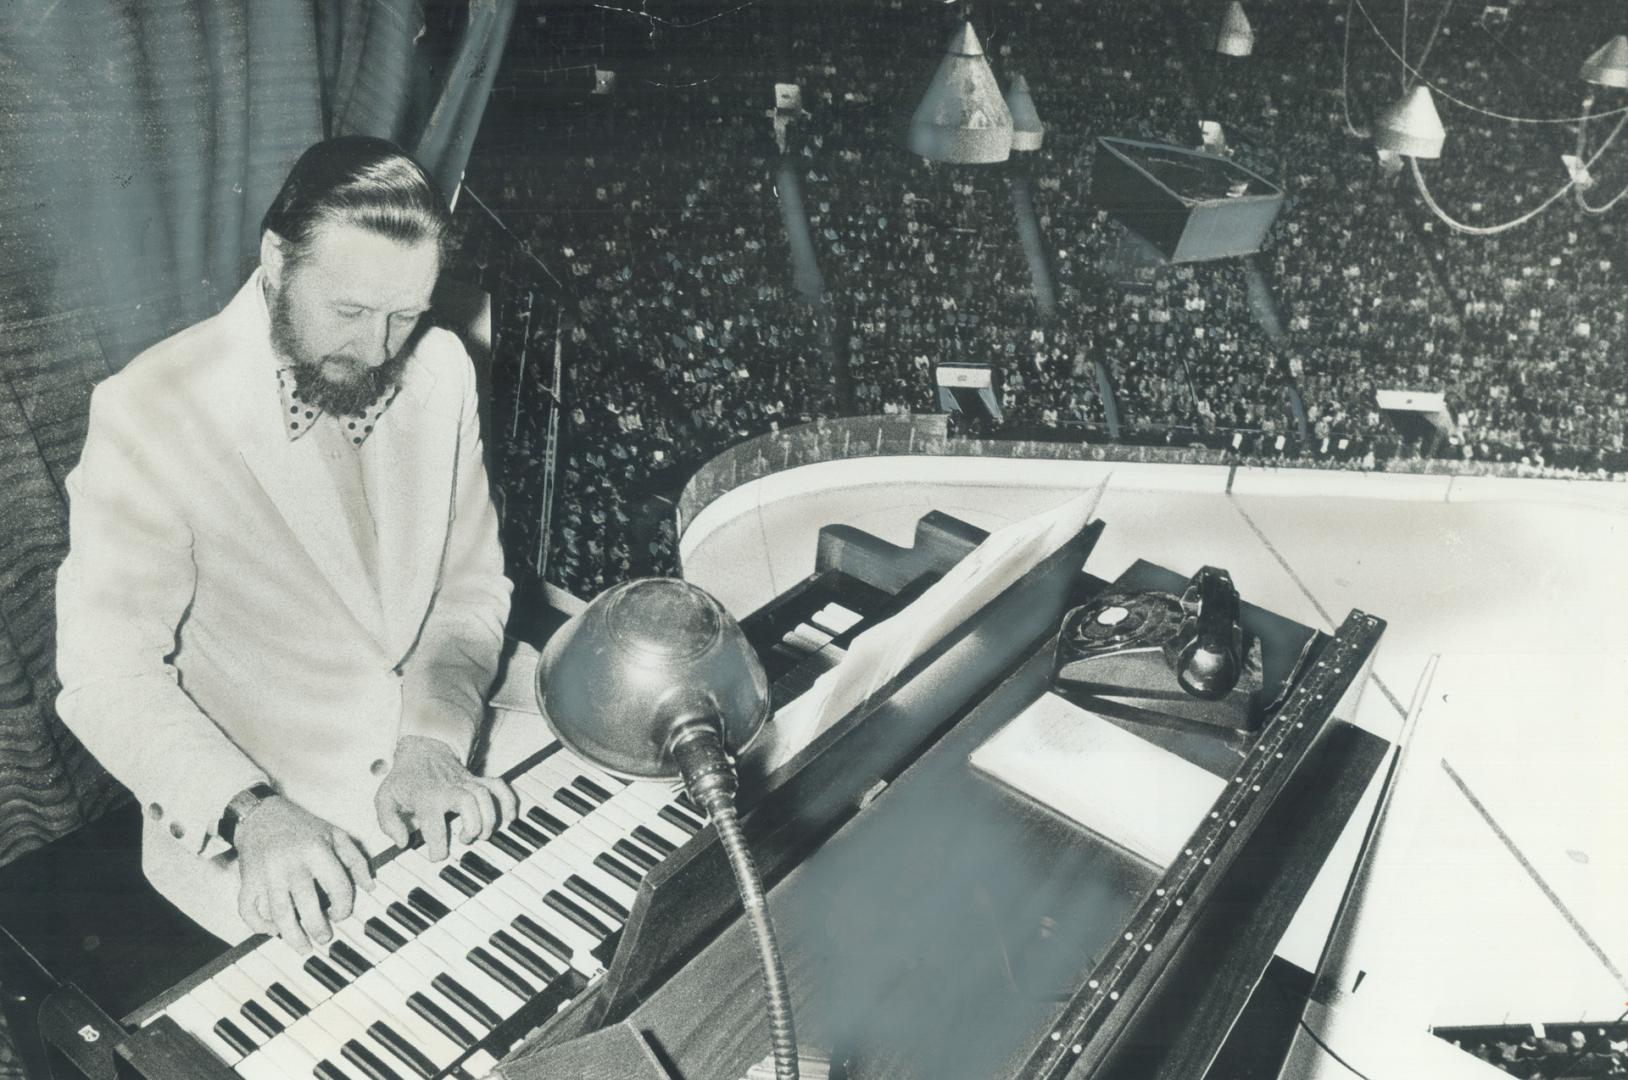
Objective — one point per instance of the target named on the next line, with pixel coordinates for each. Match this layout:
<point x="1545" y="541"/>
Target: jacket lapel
<point x="292" y="477"/>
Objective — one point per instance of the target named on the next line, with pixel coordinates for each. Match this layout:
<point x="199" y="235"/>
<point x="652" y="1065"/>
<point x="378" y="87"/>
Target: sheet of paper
<point x="1102" y="777"/>
<point x="886" y="649"/>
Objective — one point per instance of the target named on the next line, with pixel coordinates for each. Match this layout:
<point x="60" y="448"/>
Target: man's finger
<point x="334" y="879"/>
<point x="250" y="908"/>
<point x="474" y="810"/>
<point x="486" y="800"/>
<point x="433" y="827"/>
<point x="314" y="922"/>
<point x="391" y="819"/>
<point x="508" y="803"/>
<point x="354" y="859"/>
<point x="288" y="924"/>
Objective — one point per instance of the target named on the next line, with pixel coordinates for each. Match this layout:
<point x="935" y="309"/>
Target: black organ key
<point x="574" y="911"/>
<point x="235" y="1037"/>
<point x="542" y="937"/>
<point x="530" y="835"/>
<point x="619" y="870"/>
<point x="576" y="802"/>
<point x="440" y="1019"/>
<point x="351" y="960"/>
<point x="596" y="896"/>
<point x="506" y="943"/>
<point x="654" y="841"/>
<point x="479" y="868"/>
<point x="511" y="847"/>
<point x="427" y="905"/>
<point x="636" y="855"/>
<point x="258" y="1015"/>
<point x="406" y="1052"/>
<point x="383" y="934"/>
<point x="501" y="973"/>
<point x="550" y="824"/>
<point x="683" y="799"/>
<point x="591" y="789"/>
<point x="327" y="1070"/>
<point x="286" y="1000"/>
<point x="366" y="1060"/>
<point x="410" y="920"/>
<point x="674" y="816"/>
<point x="460" y="996"/>
<point x="322" y="972"/>
<point x="461" y="882"/>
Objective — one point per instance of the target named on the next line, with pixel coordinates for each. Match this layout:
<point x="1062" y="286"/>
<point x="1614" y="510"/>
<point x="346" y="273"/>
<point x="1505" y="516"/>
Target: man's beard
<point x="342" y="397"/>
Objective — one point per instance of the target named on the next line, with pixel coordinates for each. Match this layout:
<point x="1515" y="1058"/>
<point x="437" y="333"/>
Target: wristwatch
<point x="240" y="806"/>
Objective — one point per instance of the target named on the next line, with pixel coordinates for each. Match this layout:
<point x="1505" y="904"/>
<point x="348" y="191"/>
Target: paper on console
<point x="886" y="649"/>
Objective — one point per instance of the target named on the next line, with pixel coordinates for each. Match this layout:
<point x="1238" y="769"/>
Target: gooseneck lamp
<point x="654" y="680"/>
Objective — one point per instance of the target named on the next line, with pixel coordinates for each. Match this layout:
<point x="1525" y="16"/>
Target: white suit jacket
<point x="216" y="626"/>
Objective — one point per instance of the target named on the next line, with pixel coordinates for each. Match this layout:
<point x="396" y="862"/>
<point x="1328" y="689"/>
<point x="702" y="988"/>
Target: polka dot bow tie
<point x="300" y="415"/>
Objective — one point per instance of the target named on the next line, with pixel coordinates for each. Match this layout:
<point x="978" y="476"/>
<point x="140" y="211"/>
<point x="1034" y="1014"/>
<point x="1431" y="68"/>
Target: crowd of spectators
<point x="1521" y="1052"/>
<point x="647" y="225"/>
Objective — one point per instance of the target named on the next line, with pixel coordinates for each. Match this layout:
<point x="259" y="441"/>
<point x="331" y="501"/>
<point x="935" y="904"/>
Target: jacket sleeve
<point x="122" y="595"/>
<point x="447" y="675"/>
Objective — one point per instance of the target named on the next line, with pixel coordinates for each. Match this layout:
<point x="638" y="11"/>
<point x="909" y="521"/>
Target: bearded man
<point x="284" y="597"/>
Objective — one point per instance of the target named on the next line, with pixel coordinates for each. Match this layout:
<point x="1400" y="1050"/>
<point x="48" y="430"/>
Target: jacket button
<point x="379" y="767"/>
<point x="176" y="830"/>
<point x="155" y="811"/>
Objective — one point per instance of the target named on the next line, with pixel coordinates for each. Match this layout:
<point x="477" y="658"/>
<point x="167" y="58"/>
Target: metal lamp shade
<point x="1027" y="130"/>
<point x="1608" y="66"/>
<point x="641" y="657"/>
<point x="962" y="118"/>
<point x="1236" y="37"/>
<point x="1411" y="126"/>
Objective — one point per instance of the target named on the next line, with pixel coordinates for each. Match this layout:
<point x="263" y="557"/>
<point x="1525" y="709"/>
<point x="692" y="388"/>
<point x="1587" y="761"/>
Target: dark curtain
<point x="140" y="142"/>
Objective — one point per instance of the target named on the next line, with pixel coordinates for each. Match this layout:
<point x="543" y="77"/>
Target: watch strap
<point x="238" y="809"/>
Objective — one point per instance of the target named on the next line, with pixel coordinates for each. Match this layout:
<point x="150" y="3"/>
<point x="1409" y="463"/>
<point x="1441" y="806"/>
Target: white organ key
<point x="279" y="1059"/>
<point x="835" y="618"/>
<point x="291" y="965"/>
<point x="198" y="1020"/>
<point x="313" y="1036"/>
<point x="809" y="636"/>
<point x="480" y="1064"/>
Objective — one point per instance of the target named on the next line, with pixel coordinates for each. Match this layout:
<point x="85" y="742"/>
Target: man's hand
<point x="427" y="783"/>
<point x="285" y="853"/>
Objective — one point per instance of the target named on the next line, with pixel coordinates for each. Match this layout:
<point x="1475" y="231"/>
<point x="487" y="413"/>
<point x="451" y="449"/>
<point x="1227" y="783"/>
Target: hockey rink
<point x="1496" y="891"/>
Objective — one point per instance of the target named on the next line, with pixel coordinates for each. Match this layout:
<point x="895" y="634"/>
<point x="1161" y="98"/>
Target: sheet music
<point x="883" y="651"/>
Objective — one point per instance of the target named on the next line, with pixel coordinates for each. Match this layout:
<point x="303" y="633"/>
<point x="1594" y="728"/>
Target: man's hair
<point x="357" y="180"/>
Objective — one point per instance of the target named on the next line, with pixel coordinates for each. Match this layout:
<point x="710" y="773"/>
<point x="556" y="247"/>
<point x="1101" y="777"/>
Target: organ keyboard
<point x="439" y="957"/>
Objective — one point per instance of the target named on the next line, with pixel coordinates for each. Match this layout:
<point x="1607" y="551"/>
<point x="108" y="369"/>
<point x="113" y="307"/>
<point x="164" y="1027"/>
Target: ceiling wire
<point x="1582" y="148"/>
<point x="1345" y="73"/>
<point x="1493" y="230"/>
<point x="1383" y="40"/>
<point x="1430" y="42"/>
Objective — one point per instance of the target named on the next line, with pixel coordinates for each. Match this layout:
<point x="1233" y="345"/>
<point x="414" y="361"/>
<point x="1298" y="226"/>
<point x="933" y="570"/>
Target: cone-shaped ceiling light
<point x="1411" y="126"/>
<point x="1609" y="64"/>
<point x="1027" y="130"/>
<point x="962" y="118"/>
<point x="1236" y="37"/>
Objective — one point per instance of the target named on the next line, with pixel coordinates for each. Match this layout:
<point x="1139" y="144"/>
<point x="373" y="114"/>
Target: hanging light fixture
<point x="1608" y="66"/>
<point x="962" y="119"/>
<point x="1411" y="126"/>
<point x="1236" y="37"/>
<point x="1027" y="130"/>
